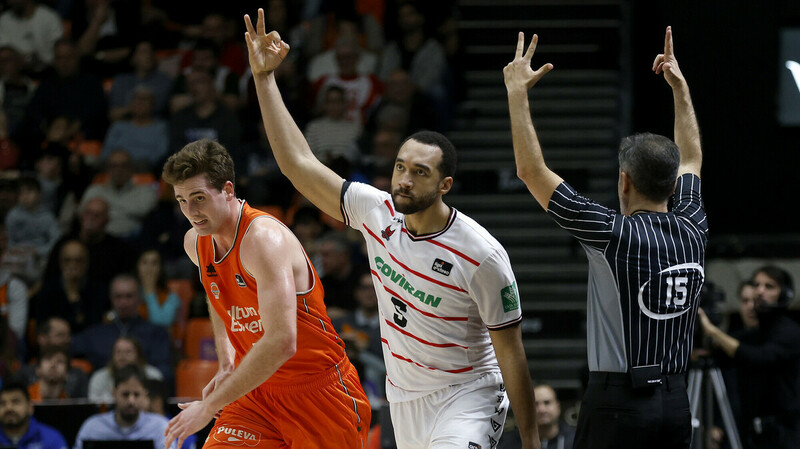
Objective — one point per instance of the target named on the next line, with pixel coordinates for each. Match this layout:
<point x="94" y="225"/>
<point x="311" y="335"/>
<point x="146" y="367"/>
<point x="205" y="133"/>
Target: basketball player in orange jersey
<point x="284" y="380"/>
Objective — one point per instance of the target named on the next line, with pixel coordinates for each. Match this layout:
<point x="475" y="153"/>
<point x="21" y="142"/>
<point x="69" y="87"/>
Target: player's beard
<point x="413" y="204"/>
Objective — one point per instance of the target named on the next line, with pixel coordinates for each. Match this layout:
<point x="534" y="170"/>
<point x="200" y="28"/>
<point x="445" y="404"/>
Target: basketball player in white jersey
<point x="447" y="296"/>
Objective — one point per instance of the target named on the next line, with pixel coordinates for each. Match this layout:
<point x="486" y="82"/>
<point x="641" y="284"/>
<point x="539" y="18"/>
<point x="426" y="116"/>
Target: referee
<point x="645" y="266"/>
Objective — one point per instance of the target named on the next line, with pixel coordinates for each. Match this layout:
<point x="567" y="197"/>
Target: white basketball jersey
<point x="438" y="294"/>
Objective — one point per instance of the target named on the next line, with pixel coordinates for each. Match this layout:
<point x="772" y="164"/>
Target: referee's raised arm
<point x="687" y="132"/>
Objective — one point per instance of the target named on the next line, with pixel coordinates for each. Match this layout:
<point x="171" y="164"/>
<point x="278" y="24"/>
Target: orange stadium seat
<point x="191" y="376"/>
<point x="199" y="340"/>
<point x="82" y="364"/>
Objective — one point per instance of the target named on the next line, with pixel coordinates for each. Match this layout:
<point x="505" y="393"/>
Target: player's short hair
<point x="201" y="157"/>
<point x="447" y="166"/>
<point x="651" y="161"/>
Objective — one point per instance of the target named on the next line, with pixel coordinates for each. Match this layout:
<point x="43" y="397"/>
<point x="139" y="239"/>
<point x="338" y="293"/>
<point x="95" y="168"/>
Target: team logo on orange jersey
<point x="239" y="280"/>
<point x="237" y="436"/>
<point x="215" y="290"/>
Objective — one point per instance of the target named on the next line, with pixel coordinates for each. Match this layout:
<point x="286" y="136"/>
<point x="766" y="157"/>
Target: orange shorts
<point x="329" y="410"/>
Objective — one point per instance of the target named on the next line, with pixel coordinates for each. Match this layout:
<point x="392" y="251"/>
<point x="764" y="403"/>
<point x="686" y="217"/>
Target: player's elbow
<point x="288" y="345"/>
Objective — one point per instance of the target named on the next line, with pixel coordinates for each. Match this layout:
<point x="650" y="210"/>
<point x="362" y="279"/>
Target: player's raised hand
<point x="518" y="74"/>
<point x="667" y="64"/>
<point x="266" y="51"/>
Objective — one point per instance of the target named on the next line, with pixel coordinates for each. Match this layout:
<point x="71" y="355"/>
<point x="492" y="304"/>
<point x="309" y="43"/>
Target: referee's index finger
<point x="668" y="49"/>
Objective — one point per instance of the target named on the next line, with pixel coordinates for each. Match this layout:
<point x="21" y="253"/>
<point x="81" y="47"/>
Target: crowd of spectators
<point x="94" y="97"/>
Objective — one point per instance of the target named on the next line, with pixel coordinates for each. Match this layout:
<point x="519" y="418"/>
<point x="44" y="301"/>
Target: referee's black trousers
<point x="615" y="415"/>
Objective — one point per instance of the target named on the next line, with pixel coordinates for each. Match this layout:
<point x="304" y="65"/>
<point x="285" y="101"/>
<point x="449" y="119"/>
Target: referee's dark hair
<point x="449" y="159"/>
<point x="651" y="161"/>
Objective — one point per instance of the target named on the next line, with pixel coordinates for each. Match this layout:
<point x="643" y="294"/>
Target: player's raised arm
<point x="687" y="132"/>
<point x="321" y="185"/>
<point x="531" y="168"/>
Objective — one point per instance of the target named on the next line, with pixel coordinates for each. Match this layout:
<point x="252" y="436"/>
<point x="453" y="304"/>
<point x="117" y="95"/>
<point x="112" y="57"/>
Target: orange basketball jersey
<point x="233" y="294"/>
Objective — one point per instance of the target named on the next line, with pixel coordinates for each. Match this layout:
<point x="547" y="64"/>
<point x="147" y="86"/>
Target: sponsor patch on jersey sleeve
<point x="510" y="297"/>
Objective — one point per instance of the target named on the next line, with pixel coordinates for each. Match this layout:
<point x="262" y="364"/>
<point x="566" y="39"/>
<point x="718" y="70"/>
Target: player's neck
<point x="428" y="221"/>
<point x="225" y="236"/>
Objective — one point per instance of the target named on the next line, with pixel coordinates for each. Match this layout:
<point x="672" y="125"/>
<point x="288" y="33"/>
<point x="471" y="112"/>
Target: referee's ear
<point x="625" y="183"/>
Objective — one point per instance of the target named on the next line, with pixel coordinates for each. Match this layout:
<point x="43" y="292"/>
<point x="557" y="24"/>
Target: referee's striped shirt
<point x="645" y="275"/>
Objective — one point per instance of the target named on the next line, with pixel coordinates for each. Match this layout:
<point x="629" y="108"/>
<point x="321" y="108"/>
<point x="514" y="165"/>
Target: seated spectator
<point x="157" y="395"/>
<point x="163" y="306"/>
<point x="54" y="333"/>
<point x="163" y="229"/>
<point x="73" y="295"/>
<point x="403" y="109"/>
<point x="361" y="328"/>
<point x="32" y="29"/>
<point x="9" y="357"/>
<point x="419" y="54"/>
<point x="18" y="427"/>
<point x="9" y="151"/>
<point x="220" y="30"/>
<point x="382" y="150"/>
<point x="361" y="91"/>
<point x="553" y="431"/>
<point x="128" y="203"/>
<point x="68" y="92"/>
<point x="364" y="322"/>
<point x="128" y="420"/>
<point x="206" y="117"/>
<point x="127" y="351"/>
<point x="333" y="134"/>
<point x="326" y="62"/>
<point x="108" y="255"/>
<point x="105" y="33"/>
<point x="205" y="58"/>
<point x="49" y="168"/>
<point x="16" y="88"/>
<point x="14" y="303"/>
<point x="341" y="274"/>
<point x="29" y="224"/>
<point x="308" y="227"/>
<point x="51" y="374"/>
<point x="143" y="136"/>
<point x="96" y="342"/>
<point x="145" y="73"/>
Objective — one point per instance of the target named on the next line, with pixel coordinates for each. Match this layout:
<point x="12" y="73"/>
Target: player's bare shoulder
<point x="190" y="245"/>
<point x="265" y="241"/>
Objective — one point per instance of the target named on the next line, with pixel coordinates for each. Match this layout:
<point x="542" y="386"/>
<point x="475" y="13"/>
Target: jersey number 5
<point x="676" y="290"/>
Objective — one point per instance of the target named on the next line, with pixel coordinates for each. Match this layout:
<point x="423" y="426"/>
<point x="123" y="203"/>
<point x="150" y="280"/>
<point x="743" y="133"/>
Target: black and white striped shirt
<point x="645" y="275"/>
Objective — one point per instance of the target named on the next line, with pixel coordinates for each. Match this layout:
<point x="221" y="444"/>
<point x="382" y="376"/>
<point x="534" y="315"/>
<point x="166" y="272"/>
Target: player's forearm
<point x="520" y="392"/>
<point x="517" y="379"/>
<point x="286" y="139"/>
<point x="687" y="131"/>
<point x="225" y="351"/>
<point x="265" y="358"/>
